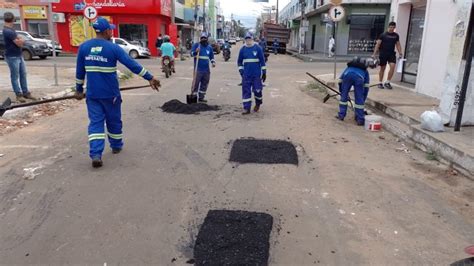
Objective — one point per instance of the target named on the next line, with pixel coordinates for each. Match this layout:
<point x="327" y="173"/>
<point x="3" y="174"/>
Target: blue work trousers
<point x="249" y="85"/>
<point x="104" y="112"/>
<point x="201" y="83"/>
<point x="353" y="80"/>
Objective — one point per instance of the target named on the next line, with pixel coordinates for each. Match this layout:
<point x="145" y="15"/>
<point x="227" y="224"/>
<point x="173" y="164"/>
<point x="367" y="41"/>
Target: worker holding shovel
<point x="98" y="59"/>
<point x="203" y="54"/>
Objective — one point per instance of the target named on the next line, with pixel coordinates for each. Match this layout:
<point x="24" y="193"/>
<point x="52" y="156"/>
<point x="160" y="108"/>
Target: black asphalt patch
<point x="178" y="107"/>
<point x="263" y="151"/>
<point x="234" y="238"/>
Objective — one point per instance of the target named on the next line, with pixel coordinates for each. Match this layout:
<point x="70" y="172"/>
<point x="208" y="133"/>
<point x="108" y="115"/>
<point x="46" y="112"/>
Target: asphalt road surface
<point x="355" y="197"/>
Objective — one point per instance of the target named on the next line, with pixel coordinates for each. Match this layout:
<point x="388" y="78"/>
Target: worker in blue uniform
<point x="97" y="59"/>
<point x="252" y="68"/>
<point x="357" y="76"/>
<point x="205" y="53"/>
<point x="276" y="45"/>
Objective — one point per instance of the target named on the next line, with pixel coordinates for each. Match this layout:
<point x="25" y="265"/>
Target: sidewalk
<point x="402" y="109"/>
<point x="317" y="57"/>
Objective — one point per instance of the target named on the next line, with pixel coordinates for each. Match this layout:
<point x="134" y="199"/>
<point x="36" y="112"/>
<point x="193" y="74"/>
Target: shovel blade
<point x="4" y="107"/>
<point x="191" y="98"/>
<point x="326" y="98"/>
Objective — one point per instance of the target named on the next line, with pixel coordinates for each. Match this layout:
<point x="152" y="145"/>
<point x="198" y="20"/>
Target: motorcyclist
<point x="226" y="47"/>
<point x="168" y="49"/>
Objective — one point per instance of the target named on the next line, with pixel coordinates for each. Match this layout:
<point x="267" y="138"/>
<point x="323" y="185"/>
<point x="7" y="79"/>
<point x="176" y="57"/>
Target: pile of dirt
<point x="177" y="107"/>
<point x="263" y="151"/>
<point x="233" y="238"/>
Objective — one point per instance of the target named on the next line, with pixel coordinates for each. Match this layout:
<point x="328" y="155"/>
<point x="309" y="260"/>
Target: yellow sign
<point x="35" y="12"/>
<point x="336" y="2"/>
<point x="191" y="3"/>
<point x="80" y="29"/>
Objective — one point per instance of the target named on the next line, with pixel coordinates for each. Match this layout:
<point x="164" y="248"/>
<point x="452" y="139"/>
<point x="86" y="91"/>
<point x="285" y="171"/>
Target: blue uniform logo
<point x="96" y="50"/>
<point x="255" y="53"/>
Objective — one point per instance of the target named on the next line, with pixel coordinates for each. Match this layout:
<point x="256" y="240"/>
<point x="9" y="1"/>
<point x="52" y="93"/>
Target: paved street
<point x="355" y="197"/>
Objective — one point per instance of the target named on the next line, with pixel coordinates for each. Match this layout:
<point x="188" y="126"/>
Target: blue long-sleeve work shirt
<point x="251" y="61"/>
<point x="206" y="55"/>
<point x="97" y="58"/>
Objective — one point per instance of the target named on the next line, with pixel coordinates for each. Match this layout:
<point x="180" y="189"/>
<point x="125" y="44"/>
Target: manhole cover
<point x="263" y="151"/>
<point x="233" y="238"/>
<point x="177" y="107"/>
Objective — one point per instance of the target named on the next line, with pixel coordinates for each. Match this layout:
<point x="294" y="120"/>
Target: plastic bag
<point x="400" y="64"/>
<point x="431" y="121"/>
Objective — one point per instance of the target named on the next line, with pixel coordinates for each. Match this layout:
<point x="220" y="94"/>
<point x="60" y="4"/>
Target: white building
<point x="435" y="35"/>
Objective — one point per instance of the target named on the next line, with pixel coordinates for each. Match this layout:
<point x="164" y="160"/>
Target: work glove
<point x="79" y="95"/>
<point x="155" y="84"/>
<point x="264" y="77"/>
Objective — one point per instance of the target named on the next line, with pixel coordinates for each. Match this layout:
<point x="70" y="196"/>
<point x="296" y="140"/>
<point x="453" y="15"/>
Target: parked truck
<point x="273" y="31"/>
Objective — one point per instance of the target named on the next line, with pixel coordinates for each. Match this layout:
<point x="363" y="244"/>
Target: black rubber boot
<point x="97" y="163"/>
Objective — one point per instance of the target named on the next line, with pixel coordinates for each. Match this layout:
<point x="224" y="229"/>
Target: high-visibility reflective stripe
<point x="241" y="67"/>
<point x="116" y="136"/>
<point x="80" y="81"/>
<point x="339" y="80"/>
<point x="96" y="137"/>
<point x="251" y="60"/>
<point x="143" y="72"/>
<point x="202" y="92"/>
<point x="247" y="100"/>
<point x="343" y="103"/>
<point x="101" y="69"/>
<point x="258" y="98"/>
<point x="367" y="85"/>
<point x="264" y="68"/>
<point x="204" y="57"/>
<point x="357" y="106"/>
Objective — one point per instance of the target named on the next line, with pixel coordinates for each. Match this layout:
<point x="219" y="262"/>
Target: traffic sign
<point x="337" y="13"/>
<point x="90" y="13"/>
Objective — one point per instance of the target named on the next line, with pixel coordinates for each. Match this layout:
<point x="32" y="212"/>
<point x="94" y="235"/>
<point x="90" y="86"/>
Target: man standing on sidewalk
<point x="14" y="59"/>
<point x="98" y="59"/>
<point x="386" y="44"/>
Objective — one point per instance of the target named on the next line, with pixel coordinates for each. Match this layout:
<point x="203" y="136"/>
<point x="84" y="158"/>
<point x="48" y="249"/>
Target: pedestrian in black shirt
<point x="386" y="44"/>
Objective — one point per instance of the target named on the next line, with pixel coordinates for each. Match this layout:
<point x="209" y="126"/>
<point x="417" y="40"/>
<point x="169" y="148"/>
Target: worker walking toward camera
<point x="253" y="71"/>
<point x="97" y="58"/>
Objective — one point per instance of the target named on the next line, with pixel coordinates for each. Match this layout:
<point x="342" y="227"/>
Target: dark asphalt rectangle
<point x="262" y="151"/>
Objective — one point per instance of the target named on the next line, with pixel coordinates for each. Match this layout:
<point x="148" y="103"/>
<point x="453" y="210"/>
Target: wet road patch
<point x="178" y="107"/>
<point x="233" y="238"/>
<point x="263" y="151"/>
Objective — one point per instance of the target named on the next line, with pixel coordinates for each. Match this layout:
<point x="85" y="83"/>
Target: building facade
<point x="137" y="20"/>
<point x="13" y="7"/>
<point x="356" y="33"/>
<point x="435" y="36"/>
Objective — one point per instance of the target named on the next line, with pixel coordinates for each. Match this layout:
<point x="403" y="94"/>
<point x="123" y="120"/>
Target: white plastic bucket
<point x="373" y="123"/>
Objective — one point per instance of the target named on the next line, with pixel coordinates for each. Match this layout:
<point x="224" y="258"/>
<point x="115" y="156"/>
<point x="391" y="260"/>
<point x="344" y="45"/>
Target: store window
<point x="38" y="27"/>
<point x="135" y="33"/>
<point x="364" y="31"/>
<point x="413" y="47"/>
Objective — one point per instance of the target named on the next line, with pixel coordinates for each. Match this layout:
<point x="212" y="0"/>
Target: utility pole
<point x="302" y="36"/>
<point x="204" y="15"/>
<point x="277" y="12"/>
<point x="52" y="32"/>
<point x="173" y="12"/>
<point x="196" y="17"/>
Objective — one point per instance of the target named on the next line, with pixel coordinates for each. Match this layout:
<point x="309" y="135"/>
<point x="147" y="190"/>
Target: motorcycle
<point x="167" y="65"/>
<point x="266" y="55"/>
<point x="226" y="55"/>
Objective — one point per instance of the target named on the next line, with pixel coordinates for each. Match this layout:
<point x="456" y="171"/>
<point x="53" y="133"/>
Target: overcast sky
<point x="246" y="10"/>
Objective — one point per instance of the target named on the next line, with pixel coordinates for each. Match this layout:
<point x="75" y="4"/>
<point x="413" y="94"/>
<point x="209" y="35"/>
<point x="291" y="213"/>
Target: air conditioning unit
<point x="59" y="18"/>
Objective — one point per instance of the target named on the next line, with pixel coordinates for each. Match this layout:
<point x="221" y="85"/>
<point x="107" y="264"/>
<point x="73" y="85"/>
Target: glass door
<point x="413" y="47"/>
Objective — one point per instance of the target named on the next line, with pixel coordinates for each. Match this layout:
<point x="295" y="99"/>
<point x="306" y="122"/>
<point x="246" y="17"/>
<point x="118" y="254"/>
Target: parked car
<point x="134" y="50"/>
<point x="30" y="49"/>
<point x="237" y="39"/>
<point x="215" y="46"/>
<point x="232" y="41"/>
<point x="38" y="38"/>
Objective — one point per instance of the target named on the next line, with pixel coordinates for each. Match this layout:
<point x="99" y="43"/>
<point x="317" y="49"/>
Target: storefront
<point x="35" y="19"/>
<point x="137" y="20"/>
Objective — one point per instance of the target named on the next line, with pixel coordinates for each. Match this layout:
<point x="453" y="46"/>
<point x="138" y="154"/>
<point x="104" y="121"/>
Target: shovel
<point x="193" y="97"/>
<point x="6" y="105"/>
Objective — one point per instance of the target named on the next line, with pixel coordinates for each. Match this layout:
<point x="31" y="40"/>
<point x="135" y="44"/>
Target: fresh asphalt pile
<point x="263" y="151"/>
<point x="178" y="107"/>
<point x="233" y="238"/>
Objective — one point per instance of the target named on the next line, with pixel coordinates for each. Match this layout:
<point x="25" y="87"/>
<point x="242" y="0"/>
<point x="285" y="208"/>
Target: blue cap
<point x="249" y="35"/>
<point x="204" y="35"/>
<point x="101" y="25"/>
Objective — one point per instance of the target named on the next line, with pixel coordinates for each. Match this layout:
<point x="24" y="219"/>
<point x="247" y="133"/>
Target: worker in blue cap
<point x="205" y="53"/>
<point x="97" y="59"/>
<point x="252" y="68"/>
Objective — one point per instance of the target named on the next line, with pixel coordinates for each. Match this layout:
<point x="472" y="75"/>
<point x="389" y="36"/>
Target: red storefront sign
<point x="154" y="15"/>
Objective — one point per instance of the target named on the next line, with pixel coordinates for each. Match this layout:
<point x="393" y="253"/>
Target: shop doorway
<point x="313" y="37"/>
<point x="413" y="46"/>
<point x="38" y="27"/>
<point x="134" y="33"/>
<point x="364" y="31"/>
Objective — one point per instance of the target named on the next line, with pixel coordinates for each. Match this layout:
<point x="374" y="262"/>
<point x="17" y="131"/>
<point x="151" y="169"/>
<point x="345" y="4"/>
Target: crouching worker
<point x="98" y="59"/>
<point x="357" y="76"/>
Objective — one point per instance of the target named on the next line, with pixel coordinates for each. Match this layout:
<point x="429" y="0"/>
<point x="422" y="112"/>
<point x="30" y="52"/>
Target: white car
<point x="238" y="39"/>
<point x="36" y="37"/>
<point x="133" y="50"/>
<point x="232" y="41"/>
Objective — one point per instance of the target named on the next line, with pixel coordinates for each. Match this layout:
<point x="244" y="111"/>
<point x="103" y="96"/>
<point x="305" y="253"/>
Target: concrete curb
<point x="308" y="59"/>
<point x="409" y="129"/>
